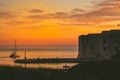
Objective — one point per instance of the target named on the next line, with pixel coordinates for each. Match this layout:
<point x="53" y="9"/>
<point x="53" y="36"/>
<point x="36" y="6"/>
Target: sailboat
<point x="14" y="54"/>
<point x="66" y="66"/>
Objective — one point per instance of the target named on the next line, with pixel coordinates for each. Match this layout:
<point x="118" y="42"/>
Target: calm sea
<point x="41" y="53"/>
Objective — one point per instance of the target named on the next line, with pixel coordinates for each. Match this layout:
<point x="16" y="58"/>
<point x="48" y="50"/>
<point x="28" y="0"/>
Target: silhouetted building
<point x="99" y="46"/>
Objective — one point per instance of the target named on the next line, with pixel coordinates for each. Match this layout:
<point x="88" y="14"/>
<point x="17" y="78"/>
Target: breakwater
<point x="51" y="60"/>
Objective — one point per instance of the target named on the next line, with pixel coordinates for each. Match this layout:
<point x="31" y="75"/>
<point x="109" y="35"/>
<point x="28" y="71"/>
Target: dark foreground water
<point x="83" y="71"/>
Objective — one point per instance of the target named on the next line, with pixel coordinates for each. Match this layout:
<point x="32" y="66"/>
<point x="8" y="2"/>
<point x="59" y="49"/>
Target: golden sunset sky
<point x="55" y="22"/>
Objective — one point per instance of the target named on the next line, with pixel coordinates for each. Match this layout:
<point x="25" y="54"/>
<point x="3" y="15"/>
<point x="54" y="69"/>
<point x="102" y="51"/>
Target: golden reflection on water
<point x="40" y="54"/>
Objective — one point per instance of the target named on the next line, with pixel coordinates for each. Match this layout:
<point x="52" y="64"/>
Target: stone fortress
<point x="101" y="46"/>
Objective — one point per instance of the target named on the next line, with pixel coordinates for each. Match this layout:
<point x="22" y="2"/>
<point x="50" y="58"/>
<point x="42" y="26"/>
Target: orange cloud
<point x="36" y="11"/>
<point x="6" y="15"/>
<point x="76" y="24"/>
<point x="77" y="11"/>
<point x="17" y="22"/>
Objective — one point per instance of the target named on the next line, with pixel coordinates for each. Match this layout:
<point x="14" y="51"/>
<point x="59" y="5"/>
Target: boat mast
<point x="15" y="47"/>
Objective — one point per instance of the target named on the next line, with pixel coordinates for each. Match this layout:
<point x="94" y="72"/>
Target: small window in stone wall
<point x="104" y="48"/>
<point x="104" y="41"/>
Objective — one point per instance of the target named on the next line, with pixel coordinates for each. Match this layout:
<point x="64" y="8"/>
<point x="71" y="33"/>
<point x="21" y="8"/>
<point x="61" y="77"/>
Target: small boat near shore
<point x="66" y="67"/>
